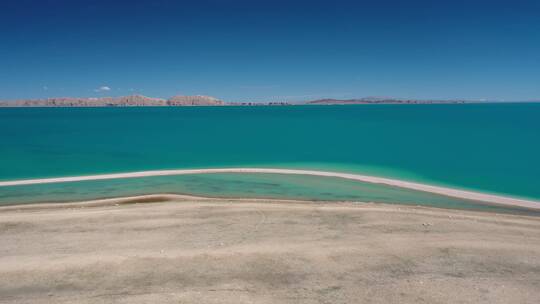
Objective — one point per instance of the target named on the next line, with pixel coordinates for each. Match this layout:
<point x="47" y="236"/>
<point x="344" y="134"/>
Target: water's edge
<point x="444" y="191"/>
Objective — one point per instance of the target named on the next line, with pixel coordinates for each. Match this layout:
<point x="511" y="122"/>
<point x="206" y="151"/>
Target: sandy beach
<point x="177" y="249"/>
<point x="485" y="198"/>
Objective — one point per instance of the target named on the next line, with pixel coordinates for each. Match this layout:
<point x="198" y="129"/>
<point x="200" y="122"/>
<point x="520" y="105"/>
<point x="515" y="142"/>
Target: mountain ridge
<point x="122" y="101"/>
<point x="203" y="100"/>
<point x="380" y="100"/>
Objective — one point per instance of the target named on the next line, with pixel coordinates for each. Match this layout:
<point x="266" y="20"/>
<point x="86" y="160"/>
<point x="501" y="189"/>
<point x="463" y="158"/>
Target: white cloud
<point x="45" y="88"/>
<point x="103" y="89"/>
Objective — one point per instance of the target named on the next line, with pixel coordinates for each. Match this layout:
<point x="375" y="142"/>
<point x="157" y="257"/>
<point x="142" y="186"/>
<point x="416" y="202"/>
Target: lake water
<point x="484" y="147"/>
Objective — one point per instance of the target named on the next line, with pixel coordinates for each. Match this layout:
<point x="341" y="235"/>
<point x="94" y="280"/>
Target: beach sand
<point x="174" y="249"/>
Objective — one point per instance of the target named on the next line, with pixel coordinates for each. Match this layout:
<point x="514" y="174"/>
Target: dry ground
<point x="246" y="251"/>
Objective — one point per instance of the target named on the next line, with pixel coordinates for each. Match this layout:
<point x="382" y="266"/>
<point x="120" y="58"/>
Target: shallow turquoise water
<point x="237" y="186"/>
<point x="487" y="147"/>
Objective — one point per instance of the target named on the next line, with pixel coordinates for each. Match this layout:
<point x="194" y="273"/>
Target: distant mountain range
<point x="124" y="101"/>
<point x="379" y="100"/>
<point x="200" y="100"/>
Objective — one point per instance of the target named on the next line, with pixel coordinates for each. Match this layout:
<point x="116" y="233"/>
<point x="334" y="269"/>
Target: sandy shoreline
<point x="450" y="192"/>
<point x="181" y="249"/>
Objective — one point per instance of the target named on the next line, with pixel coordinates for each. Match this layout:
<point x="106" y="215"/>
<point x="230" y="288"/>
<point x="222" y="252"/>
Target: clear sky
<point x="271" y="50"/>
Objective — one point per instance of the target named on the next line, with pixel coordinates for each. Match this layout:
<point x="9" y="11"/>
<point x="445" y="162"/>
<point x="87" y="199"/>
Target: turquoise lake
<point x="492" y="148"/>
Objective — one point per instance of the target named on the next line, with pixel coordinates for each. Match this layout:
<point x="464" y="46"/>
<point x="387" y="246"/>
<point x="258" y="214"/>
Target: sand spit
<point x="456" y="193"/>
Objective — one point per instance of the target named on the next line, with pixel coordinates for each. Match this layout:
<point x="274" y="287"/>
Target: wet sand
<point x="480" y="197"/>
<point x="191" y="250"/>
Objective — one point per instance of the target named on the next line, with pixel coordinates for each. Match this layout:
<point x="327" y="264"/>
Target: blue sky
<point x="271" y="50"/>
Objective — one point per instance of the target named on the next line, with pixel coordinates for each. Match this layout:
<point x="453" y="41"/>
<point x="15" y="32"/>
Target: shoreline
<point x="161" y="198"/>
<point x="479" y="197"/>
<point x="197" y="250"/>
<point x="10" y="104"/>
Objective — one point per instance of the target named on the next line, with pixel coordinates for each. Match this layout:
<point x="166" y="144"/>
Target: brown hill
<point x="194" y="101"/>
<point x="123" y="101"/>
<point x="377" y="100"/>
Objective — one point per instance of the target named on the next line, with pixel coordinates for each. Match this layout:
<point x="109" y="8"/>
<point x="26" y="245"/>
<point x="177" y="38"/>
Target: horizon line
<point x="277" y="99"/>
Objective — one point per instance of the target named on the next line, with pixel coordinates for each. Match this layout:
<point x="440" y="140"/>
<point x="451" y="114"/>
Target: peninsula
<point x="468" y="195"/>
